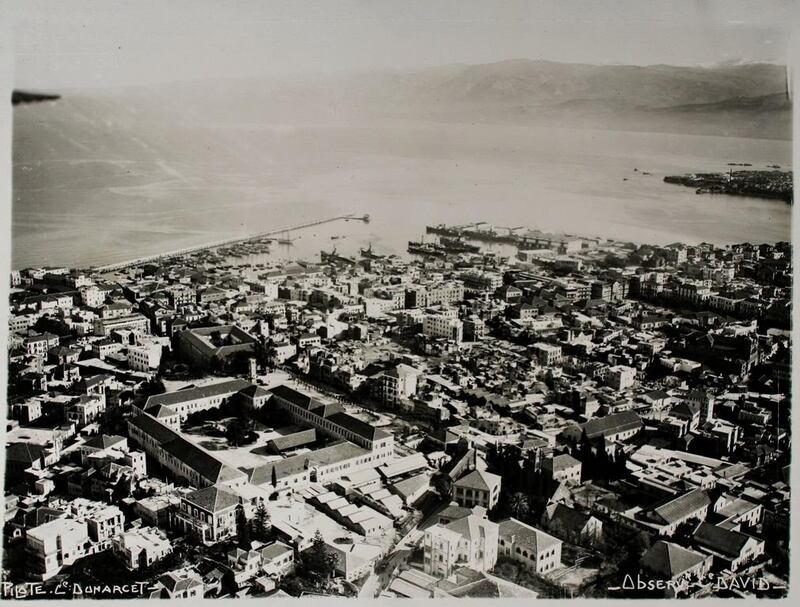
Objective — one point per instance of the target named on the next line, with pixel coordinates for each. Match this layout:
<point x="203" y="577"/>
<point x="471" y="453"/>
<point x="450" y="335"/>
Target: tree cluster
<point x="313" y="570"/>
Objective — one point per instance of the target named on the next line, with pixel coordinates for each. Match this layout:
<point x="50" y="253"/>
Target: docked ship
<point x="426" y="248"/>
<point x="456" y="245"/>
<point x="369" y="254"/>
<point x="455" y="232"/>
<point x="334" y="258"/>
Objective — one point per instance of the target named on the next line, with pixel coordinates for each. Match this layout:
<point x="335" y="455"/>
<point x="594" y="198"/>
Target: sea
<point x="403" y="175"/>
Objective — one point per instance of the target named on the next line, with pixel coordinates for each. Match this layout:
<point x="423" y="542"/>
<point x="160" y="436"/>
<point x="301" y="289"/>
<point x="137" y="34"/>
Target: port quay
<point x="132" y="263"/>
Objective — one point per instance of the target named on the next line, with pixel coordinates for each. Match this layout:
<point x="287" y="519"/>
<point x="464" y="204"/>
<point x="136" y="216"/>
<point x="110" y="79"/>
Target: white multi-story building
<point x="86" y="409"/>
<point x="277" y="559"/>
<point x="470" y="541"/>
<point x="92" y="296"/>
<point x="440" y="324"/>
<point x="398" y="383"/>
<point x="20" y="322"/>
<point x="478" y="280"/>
<point x="620" y="377"/>
<point x="38" y="345"/>
<point x="540" y="552"/>
<point x="145" y="357"/>
<point x="103" y="524"/>
<point x="478" y="488"/>
<point x="283" y="351"/>
<point x="56" y="544"/>
<point x="548" y="355"/>
<point x="208" y="514"/>
<point x="141" y="547"/>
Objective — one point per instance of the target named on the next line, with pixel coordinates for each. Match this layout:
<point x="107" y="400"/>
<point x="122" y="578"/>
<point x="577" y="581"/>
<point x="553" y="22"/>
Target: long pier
<point x="223" y="243"/>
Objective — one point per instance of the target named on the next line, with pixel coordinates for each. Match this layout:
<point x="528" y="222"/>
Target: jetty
<point x="281" y="235"/>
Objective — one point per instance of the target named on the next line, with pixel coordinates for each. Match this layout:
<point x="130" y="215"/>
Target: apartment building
<point x="141" y="547"/>
<point x="56" y="544"/>
<point x="477" y="280"/>
<point x="620" y="377"/>
<point x="103" y="523"/>
<point x="38" y="345"/>
<point x="277" y="559"/>
<point x="398" y="384"/>
<point x="92" y="297"/>
<point x="439" y="324"/>
<point x="441" y="293"/>
<point x="144" y="357"/>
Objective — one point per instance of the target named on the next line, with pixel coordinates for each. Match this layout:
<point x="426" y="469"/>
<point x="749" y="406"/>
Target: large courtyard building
<point x="172" y="408"/>
<point x="179" y="455"/>
<point x="331" y="419"/>
<point x="207" y="346"/>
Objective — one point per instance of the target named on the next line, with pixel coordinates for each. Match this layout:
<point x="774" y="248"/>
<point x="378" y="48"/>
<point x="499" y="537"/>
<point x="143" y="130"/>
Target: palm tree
<point x="519" y="505"/>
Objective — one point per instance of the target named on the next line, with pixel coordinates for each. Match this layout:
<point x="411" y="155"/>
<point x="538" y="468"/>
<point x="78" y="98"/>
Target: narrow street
<point x="377" y="582"/>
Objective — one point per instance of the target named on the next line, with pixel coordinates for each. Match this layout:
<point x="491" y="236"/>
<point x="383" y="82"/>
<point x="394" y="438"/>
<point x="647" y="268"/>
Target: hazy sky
<point x="89" y="43"/>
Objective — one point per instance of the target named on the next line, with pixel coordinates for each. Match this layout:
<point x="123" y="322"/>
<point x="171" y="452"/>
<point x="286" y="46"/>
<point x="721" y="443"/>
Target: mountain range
<point x="748" y="100"/>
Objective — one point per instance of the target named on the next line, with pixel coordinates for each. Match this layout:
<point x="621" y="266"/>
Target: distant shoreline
<point x="770" y="185"/>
